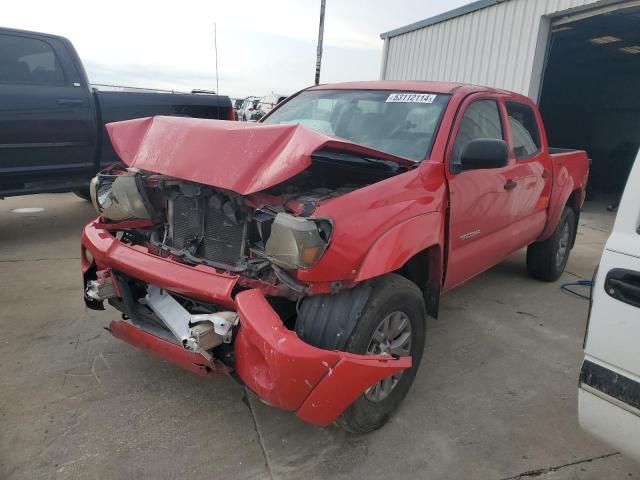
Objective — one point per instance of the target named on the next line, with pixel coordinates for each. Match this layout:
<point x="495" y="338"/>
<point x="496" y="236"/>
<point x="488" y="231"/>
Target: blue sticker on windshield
<point x="411" y="98"/>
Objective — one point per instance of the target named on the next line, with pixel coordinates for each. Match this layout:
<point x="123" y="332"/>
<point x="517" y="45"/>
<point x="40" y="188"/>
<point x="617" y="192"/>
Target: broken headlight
<point x="296" y="242"/>
<point x="120" y="197"/>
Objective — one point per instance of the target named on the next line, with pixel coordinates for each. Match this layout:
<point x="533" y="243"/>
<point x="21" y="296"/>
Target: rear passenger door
<point x="531" y="173"/>
<point x="46" y="119"/>
<point x="479" y="206"/>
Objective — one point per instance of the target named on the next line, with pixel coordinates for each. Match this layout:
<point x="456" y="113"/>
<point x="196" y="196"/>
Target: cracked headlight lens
<point x="119" y="197"/>
<point x="296" y="242"/>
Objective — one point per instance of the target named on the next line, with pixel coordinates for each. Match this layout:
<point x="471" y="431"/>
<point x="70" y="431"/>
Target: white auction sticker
<point x="411" y="98"/>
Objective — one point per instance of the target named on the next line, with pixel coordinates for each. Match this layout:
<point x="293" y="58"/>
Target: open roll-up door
<point x="611" y="7"/>
<point x="590" y="98"/>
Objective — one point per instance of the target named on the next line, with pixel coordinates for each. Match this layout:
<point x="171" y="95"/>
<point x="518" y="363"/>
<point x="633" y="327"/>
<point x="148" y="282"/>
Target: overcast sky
<point x="263" y="45"/>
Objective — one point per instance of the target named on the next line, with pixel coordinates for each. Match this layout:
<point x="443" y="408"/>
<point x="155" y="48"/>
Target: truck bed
<point x="570" y="173"/>
<point x="115" y="106"/>
<point x="52" y="134"/>
<point x="575" y="162"/>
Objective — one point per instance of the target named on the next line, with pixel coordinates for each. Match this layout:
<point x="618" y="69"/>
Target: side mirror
<point x="485" y="153"/>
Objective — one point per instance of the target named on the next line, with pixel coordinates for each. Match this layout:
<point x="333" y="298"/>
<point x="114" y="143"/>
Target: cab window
<point x="524" y="130"/>
<point x="28" y="61"/>
<point x="480" y="120"/>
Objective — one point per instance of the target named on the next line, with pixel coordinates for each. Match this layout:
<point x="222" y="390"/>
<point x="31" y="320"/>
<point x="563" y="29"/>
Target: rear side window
<point x="30" y="61"/>
<point x="524" y="128"/>
<point x="481" y="120"/>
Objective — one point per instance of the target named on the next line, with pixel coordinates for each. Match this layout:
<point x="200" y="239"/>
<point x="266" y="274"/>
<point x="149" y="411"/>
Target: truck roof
<point x="31" y="33"/>
<point x="412" y="85"/>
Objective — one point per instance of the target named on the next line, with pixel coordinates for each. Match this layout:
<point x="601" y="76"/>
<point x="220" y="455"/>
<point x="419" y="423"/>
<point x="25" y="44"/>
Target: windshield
<point x="400" y="123"/>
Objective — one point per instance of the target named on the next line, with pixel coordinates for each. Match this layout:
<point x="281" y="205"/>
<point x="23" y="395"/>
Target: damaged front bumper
<point x="269" y="358"/>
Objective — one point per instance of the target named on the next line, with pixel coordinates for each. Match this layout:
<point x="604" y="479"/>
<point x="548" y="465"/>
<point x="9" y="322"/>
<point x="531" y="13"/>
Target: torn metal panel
<point x="291" y="374"/>
<point x="345" y="382"/>
<point x="100" y="289"/>
<point x="188" y="328"/>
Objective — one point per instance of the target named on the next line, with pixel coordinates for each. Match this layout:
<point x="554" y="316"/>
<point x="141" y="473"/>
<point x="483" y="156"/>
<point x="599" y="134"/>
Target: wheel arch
<point x="570" y="195"/>
<point x="574" y="202"/>
<point x="414" y="250"/>
<point x="425" y="270"/>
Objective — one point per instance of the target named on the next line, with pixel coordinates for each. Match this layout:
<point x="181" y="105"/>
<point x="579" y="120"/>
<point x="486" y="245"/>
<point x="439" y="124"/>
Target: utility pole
<point x="215" y="46"/>
<point x="320" y="35"/>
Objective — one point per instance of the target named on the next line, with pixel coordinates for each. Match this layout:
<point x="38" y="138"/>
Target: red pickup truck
<point x="303" y="253"/>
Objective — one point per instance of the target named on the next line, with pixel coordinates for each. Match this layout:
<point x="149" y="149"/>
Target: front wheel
<point x="83" y="194"/>
<point x="382" y="316"/>
<point x="547" y="260"/>
<point x="392" y="322"/>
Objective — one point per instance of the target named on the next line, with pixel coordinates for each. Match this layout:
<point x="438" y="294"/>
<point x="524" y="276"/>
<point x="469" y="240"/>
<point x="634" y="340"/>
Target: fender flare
<point x="559" y="198"/>
<point x="399" y="244"/>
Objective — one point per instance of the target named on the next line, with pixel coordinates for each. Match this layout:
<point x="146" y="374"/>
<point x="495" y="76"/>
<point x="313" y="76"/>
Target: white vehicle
<point x="265" y="105"/>
<point x="609" y="393"/>
<point x="247" y="108"/>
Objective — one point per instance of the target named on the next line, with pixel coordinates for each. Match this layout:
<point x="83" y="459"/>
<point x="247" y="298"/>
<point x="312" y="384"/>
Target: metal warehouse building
<point x="579" y="59"/>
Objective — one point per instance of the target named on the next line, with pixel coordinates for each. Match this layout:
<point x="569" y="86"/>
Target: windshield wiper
<point x="379" y="163"/>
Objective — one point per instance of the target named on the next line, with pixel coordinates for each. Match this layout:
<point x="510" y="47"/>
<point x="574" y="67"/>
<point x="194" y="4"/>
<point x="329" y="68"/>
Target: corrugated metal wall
<point x="494" y="46"/>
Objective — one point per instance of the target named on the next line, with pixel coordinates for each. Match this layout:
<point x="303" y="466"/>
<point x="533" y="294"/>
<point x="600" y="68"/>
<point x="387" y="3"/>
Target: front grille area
<point x="186" y="222"/>
<point x="223" y="241"/>
<point x="205" y="231"/>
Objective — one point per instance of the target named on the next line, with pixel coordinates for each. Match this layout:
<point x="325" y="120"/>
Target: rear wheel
<point x="391" y="322"/>
<point x="547" y="260"/>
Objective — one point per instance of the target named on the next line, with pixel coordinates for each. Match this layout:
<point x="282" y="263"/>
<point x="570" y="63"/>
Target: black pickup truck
<point x="52" y="135"/>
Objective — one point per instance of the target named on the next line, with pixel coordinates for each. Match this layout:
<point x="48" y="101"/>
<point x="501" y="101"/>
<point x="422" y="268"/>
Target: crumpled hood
<point x="242" y="157"/>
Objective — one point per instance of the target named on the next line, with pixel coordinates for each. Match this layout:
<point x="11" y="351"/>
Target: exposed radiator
<point x="206" y="231"/>
<point x="223" y="240"/>
<point x="186" y="217"/>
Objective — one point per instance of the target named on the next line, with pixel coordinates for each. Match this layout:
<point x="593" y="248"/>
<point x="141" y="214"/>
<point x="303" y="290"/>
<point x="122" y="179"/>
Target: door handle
<point x="70" y="101"/>
<point x="623" y="285"/>
<point x="510" y="185"/>
<point x="545" y="173"/>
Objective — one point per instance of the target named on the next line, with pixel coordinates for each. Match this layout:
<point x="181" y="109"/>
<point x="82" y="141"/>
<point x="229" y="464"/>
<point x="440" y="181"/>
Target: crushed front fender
<point x="290" y="374"/>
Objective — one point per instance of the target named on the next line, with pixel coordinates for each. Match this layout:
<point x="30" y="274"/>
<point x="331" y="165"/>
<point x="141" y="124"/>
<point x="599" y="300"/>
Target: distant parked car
<point x="609" y="393"/>
<point x="52" y="121"/>
<point x="265" y="105"/>
<point x="237" y="103"/>
<point x="247" y="108"/>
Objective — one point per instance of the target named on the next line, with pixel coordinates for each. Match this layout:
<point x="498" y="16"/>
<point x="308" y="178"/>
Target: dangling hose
<point x="566" y="287"/>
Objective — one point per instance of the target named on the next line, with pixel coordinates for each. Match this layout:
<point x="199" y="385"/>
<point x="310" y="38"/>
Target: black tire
<point x="385" y="295"/>
<point x="389" y="293"/>
<point x="83" y="194"/>
<point x="547" y="260"/>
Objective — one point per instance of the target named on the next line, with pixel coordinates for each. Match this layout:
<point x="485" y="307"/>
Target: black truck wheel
<point x="83" y="194"/>
<point x="546" y="260"/>
<point x="389" y="319"/>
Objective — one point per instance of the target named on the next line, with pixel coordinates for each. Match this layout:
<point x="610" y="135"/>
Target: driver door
<point x="479" y="200"/>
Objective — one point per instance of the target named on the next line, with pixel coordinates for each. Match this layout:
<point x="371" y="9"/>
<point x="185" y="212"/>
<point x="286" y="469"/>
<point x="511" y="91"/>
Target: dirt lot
<point x="495" y="397"/>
